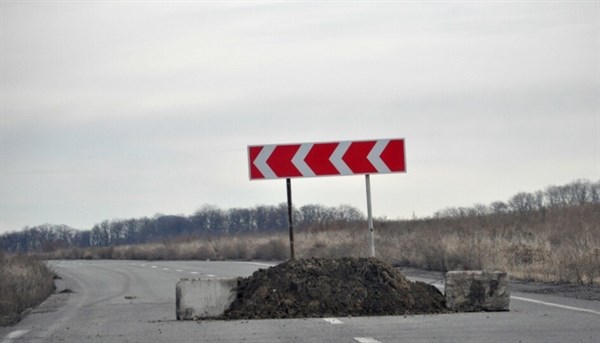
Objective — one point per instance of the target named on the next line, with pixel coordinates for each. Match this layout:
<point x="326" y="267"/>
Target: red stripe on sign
<point x="318" y="159"/>
<point x="356" y="157"/>
<point x="393" y="156"/>
<point x="280" y="161"/>
<point x="253" y="152"/>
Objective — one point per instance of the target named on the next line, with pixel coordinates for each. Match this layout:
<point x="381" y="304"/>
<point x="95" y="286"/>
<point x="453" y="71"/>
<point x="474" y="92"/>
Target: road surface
<point x="134" y="301"/>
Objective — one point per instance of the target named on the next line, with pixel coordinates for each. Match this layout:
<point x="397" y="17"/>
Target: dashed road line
<point x="366" y="340"/>
<point x="165" y="269"/>
<point x="14" y="335"/>
<point x="179" y="270"/>
<point x="333" y="321"/>
<point x="193" y="272"/>
<point x="210" y="275"/>
<point x="259" y="264"/>
<point x="154" y="266"/>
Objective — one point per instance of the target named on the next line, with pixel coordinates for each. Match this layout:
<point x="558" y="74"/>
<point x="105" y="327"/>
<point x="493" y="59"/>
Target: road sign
<point x="326" y="159"/>
<point x="276" y="161"/>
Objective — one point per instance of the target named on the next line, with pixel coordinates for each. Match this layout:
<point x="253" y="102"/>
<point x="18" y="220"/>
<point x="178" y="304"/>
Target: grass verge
<point x="24" y="282"/>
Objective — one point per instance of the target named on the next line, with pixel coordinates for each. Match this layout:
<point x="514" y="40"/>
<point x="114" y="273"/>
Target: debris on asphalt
<point x="342" y="287"/>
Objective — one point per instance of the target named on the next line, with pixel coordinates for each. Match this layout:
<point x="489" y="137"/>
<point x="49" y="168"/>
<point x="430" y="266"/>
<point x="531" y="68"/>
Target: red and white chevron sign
<point x="325" y="159"/>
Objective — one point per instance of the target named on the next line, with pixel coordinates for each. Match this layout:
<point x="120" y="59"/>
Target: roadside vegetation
<point x="24" y="283"/>
<point x="549" y="236"/>
<point x="556" y="245"/>
<point x="548" y="245"/>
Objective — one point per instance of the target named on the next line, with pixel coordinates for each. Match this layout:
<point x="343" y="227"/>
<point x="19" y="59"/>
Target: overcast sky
<point x="124" y="109"/>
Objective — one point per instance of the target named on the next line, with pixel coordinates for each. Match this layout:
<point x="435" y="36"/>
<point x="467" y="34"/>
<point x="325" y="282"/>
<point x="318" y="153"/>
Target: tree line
<point x="206" y="221"/>
<point x="576" y="193"/>
<point x="211" y="220"/>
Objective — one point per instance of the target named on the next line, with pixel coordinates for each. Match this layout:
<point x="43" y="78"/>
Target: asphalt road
<point x="133" y="301"/>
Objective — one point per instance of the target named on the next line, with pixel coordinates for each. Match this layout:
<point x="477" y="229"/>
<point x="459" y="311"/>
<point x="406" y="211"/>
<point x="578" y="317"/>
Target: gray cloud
<point x="116" y="109"/>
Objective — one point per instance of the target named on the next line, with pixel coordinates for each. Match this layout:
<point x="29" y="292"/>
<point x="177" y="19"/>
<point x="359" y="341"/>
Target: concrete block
<point x="471" y="291"/>
<point x="204" y="298"/>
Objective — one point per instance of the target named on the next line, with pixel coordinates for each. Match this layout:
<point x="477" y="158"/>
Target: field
<point x="553" y="245"/>
<point x="549" y="245"/>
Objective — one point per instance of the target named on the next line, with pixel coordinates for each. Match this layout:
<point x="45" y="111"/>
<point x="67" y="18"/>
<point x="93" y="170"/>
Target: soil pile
<point x="332" y="287"/>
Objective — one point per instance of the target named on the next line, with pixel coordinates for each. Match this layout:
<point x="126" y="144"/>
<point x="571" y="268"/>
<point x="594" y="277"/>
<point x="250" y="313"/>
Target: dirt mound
<point x="326" y="287"/>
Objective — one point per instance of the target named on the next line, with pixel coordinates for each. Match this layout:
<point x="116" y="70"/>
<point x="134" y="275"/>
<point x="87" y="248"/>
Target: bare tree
<point x="522" y="202"/>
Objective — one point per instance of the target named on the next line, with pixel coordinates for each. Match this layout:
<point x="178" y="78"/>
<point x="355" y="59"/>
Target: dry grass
<point x="24" y="282"/>
<point x="241" y="247"/>
<point x="554" y="245"/>
<point x="560" y="245"/>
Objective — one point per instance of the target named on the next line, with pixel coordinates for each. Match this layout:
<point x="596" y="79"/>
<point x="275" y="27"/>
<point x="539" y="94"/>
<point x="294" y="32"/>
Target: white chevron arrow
<point x="299" y="162"/>
<point x="261" y="161"/>
<point x="336" y="158"/>
<point x="375" y="156"/>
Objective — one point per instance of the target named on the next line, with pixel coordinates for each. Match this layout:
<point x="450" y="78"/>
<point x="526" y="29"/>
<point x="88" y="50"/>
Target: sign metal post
<point x="370" y="217"/>
<point x="290" y="219"/>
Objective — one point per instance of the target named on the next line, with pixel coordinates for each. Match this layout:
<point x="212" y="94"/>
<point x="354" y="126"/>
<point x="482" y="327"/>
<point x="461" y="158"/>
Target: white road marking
<point x="154" y="267"/>
<point x="366" y="340"/>
<point x="572" y="308"/>
<point x="260" y="264"/>
<point x="193" y="272"/>
<point x="333" y="321"/>
<point x="14" y="335"/>
<point x="165" y="268"/>
<point x="210" y="275"/>
<point x="578" y="309"/>
<point x="179" y="270"/>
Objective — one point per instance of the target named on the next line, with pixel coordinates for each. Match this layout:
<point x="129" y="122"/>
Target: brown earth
<point x="332" y="287"/>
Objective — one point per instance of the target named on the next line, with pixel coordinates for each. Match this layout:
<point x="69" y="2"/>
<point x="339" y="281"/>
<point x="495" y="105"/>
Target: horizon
<point x="361" y="211"/>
